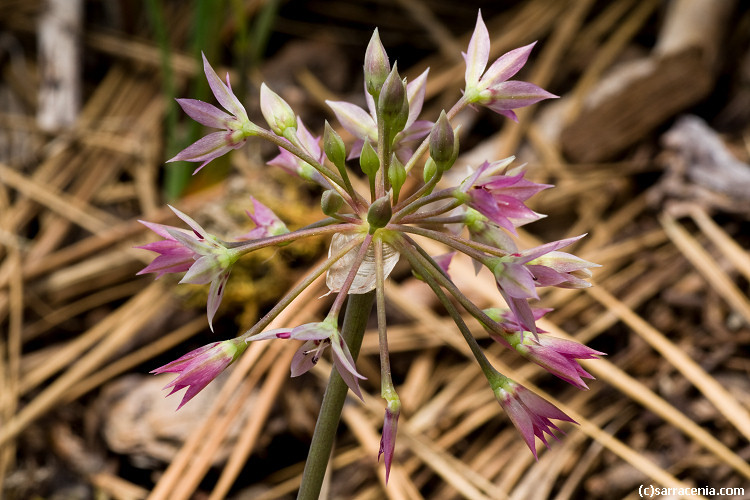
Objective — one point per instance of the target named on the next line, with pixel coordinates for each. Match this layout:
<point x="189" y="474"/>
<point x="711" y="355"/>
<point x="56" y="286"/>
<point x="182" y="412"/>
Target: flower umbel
<point x="372" y="230"/>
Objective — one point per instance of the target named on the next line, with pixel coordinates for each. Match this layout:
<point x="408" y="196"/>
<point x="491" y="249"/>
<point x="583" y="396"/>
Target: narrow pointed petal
<point x="306" y="357"/>
<point x="355" y="120"/>
<point x="515" y="94"/>
<point x="206" y="149"/>
<point x="222" y="93"/>
<point x="205" y="113"/>
<point x="215" y="294"/>
<point x="507" y="65"/>
<point x="415" y="92"/>
<point x="349" y="379"/>
<point x="478" y="52"/>
<point x="203" y="271"/>
<point x="197" y="229"/>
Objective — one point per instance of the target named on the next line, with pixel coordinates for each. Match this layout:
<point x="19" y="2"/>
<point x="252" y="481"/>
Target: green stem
<point x="420" y="264"/>
<point x="353" y="330"/>
<point x="242" y="247"/>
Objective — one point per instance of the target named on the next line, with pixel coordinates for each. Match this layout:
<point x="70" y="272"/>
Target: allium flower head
<point x="237" y="126"/>
<point x="199" y="367"/>
<point x="491" y="88"/>
<point x="374" y="228"/>
<point x="531" y="414"/>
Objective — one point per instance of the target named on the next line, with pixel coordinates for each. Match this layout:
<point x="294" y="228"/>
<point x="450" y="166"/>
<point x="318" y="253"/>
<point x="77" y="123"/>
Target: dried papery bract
<point x="372" y="231"/>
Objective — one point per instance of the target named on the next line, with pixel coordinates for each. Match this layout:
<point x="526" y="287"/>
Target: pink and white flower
<point x="199" y="367"/>
<point x="236" y="126"/>
<point x="531" y="414"/>
<point x="491" y="88"/>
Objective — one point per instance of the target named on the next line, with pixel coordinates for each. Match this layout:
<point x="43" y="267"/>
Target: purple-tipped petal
<point x="223" y="93"/>
<point x="205" y="113"/>
<point x="515" y="94"/>
<point x="478" y="53"/>
<point x="529" y="413"/>
<point x="388" y="436"/>
<point x="199" y="367"/>
<point x="507" y="65"/>
<point x="206" y="149"/>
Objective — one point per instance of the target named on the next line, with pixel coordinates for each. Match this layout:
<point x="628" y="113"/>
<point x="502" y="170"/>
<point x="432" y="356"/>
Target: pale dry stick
<point x="362" y="429"/>
<point x="174" y="473"/>
<point x="116" y="487"/>
<point x="86" y="216"/>
<point x="732" y="410"/>
<point x="108" y="237"/>
<point x="11" y="370"/>
<point x="467" y="482"/>
<point x="276" y="378"/>
<point x="608" y="52"/>
<point x="591" y="455"/>
<point x="154" y="299"/>
<point x="291" y="483"/>
<point x="128" y="362"/>
<point x="61" y="314"/>
<point x="591" y="34"/>
<point x="725" y="243"/>
<point x="75" y="349"/>
<point x="566" y="28"/>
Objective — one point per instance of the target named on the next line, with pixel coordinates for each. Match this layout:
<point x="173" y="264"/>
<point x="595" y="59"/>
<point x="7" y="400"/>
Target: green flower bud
<point x="331" y="202"/>
<point x="393" y="105"/>
<point x="369" y="160"/>
<point x="276" y="111"/>
<point x="376" y="65"/>
<point x="430" y="170"/>
<point x="442" y="142"/>
<point x="396" y="176"/>
<point x="334" y="146"/>
<point x="380" y="212"/>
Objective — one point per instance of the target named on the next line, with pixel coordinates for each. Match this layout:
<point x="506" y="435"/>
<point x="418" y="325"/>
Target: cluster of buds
<point x="372" y="231"/>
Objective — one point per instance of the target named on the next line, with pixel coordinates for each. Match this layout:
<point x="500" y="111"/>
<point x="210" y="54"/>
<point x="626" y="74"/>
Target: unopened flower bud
<point x="380" y="212"/>
<point x="331" y="202"/>
<point x="393" y="106"/>
<point x="376" y="65"/>
<point x="396" y="175"/>
<point x="334" y="146"/>
<point x="369" y="160"/>
<point x="276" y="111"/>
<point x="441" y="142"/>
<point x="430" y="170"/>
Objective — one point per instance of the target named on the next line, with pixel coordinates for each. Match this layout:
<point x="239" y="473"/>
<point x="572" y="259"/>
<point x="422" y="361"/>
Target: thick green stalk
<point x="353" y="330"/>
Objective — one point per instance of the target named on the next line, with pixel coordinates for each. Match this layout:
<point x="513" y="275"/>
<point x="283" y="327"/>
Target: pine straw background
<point x="670" y="403"/>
